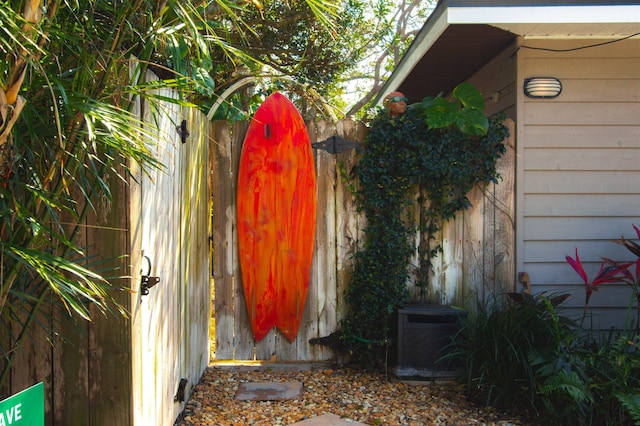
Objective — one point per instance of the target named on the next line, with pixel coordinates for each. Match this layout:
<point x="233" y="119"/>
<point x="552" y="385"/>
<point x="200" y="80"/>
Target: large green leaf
<point x="204" y="82"/>
<point x="472" y="122"/>
<point x="469" y="96"/>
<point x="441" y="113"/>
<point x="73" y="283"/>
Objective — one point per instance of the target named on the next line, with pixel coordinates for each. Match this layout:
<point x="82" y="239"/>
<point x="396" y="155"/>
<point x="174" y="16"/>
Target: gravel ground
<point x="369" y="398"/>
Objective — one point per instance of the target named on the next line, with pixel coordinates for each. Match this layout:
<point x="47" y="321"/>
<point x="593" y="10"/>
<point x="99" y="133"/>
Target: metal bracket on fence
<point x="183" y="131"/>
<point x="335" y="144"/>
<point x="147" y="280"/>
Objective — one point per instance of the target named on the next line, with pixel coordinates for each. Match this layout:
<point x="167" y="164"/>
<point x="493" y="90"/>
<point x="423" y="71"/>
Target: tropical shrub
<point x="613" y="365"/>
<point x="504" y="343"/>
<point x="631" y="276"/>
<point x="69" y="133"/>
<point x="441" y="148"/>
<point x="525" y="353"/>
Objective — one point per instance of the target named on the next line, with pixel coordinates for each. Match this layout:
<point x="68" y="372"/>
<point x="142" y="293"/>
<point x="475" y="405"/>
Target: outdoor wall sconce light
<point x="542" y="87"/>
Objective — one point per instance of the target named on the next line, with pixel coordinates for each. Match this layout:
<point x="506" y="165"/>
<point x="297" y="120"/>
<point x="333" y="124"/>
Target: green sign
<point x="25" y="408"/>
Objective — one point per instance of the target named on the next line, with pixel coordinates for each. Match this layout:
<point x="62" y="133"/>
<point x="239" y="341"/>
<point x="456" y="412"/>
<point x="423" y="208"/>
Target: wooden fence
<point x="117" y="370"/>
<point x="477" y="258"/>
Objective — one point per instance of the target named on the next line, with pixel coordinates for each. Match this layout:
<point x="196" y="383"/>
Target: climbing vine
<point x="440" y="149"/>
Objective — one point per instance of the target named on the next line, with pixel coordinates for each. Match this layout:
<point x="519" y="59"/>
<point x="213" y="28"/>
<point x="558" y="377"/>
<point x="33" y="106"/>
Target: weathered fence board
<point x="323" y="283"/>
<point x="350" y="222"/>
<point x="159" y="347"/>
<point x="224" y="252"/>
<point x="504" y="227"/>
<point x="109" y="336"/>
<point x="242" y="331"/>
<point x="196" y="274"/>
<point x="477" y="257"/>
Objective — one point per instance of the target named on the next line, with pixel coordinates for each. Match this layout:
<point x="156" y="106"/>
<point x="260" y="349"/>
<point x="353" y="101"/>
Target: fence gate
<point x="170" y="228"/>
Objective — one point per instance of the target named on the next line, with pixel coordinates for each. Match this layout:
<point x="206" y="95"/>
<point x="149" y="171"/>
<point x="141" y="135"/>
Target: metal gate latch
<point x="148" y="281"/>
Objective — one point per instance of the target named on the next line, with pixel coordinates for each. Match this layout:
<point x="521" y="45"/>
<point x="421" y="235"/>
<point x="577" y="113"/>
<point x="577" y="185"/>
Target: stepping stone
<point x="269" y="391"/>
<point x="328" y="420"/>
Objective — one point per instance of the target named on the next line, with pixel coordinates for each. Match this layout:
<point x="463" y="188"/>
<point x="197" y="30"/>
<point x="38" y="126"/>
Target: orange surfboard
<point x="276" y="209"/>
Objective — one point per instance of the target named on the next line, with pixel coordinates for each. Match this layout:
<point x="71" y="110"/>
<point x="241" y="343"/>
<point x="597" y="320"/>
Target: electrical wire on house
<point x="576" y="48"/>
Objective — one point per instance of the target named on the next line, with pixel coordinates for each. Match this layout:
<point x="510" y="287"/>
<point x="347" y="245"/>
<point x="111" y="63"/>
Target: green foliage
<point x="501" y="346"/>
<point x="631" y="403"/>
<point x="464" y="111"/>
<point x="68" y="133"/>
<point x="613" y="367"/>
<point x="403" y="155"/>
<point x="299" y="47"/>
<point x="631" y="276"/>
<point x="72" y="143"/>
<point x="562" y="385"/>
<point x="383" y="33"/>
<point x="525" y="354"/>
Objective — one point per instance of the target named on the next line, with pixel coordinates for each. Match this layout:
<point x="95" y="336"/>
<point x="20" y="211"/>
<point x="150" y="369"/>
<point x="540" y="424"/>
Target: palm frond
<point x="631" y="403"/>
<point x="74" y="284"/>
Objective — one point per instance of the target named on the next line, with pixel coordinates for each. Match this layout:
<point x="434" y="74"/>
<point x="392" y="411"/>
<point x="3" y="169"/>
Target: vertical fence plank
<point x="70" y="372"/>
<point x="135" y="268"/>
<point x="70" y="356"/>
<point x="32" y="361"/>
<point x="488" y="243"/>
<point x="161" y="244"/>
<point x="325" y="272"/>
<point x="109" y="336"/>
<point x="194" y="314"/>
<point x="473" y="260"/>
<point x="435" y="282"/>
<point x="267" y="348"/>
<point x="244" y="343"/>
<point x="452" y="259"/>
<point x="300" y="349"/>
<point x="503" y="202"/>
<point x="223" y="241"/>
<point x="164" y="249"/>
<point x="349" y="222"/>
<point x="415" y="293"/>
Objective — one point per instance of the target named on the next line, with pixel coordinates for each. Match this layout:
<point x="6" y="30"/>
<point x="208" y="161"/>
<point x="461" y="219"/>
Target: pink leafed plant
<point x="607" y="274"/>
<point x="629" y="277"/>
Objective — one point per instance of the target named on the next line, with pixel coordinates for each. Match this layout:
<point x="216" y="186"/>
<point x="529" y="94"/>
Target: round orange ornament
<point x="395" y="103"/>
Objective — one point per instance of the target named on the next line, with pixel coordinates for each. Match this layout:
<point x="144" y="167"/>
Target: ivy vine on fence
<point x="439" y="147"/>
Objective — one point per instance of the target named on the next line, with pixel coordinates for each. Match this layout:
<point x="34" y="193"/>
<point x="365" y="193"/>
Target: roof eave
<point x="436" y="24"/>
<point x="517" y="19"/>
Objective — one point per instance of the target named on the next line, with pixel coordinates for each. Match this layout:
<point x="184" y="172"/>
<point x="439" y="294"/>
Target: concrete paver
<point x="328" y="420"/>
<point x="269" y="391"/>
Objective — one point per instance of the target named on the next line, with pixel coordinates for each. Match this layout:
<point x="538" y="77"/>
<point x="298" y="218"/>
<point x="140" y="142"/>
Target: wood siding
<point x="578" y="174"/>
<point x="477" y="258"/>
<point x="497" y="82"/>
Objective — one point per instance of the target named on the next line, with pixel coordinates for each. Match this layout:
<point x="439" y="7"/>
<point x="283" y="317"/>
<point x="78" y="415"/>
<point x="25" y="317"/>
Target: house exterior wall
<point x="578" y="174"/>
<point x="497" y="82"/>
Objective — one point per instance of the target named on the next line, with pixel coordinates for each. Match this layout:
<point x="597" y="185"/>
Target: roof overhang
<point x="461" y="36"/>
